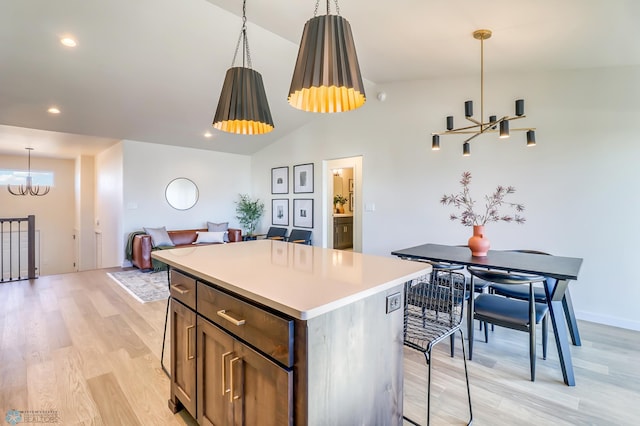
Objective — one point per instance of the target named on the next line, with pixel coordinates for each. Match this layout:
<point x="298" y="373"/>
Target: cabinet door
<point x="262" y="390"/>
<point x="183" y="358"/>
<point x="215" y="350"/>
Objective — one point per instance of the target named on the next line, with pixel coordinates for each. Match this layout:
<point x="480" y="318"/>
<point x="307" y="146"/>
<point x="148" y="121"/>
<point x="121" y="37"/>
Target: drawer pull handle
<point x="225" y="389"/>
<point x="180" y="290"/>
<point x="188" y="339"/>
<point x="232" y="394"/>
<point x="223" y="313"/>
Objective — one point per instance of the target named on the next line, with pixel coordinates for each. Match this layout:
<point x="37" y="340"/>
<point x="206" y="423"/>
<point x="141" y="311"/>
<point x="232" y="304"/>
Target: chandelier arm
<point x="20" y="190"/>
<point x="446" y="132"/>
<point x="472" y="137"/>
<point x="512" y="118"/>
<point x="473" y="120"/>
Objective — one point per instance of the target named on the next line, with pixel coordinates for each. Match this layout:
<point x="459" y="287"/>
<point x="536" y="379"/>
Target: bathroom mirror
<point x="181" y="194"/>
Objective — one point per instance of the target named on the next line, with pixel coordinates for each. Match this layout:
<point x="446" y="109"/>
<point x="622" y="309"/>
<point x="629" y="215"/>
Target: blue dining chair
<point x="300" y="236"/>
<point x="510" y="313"/>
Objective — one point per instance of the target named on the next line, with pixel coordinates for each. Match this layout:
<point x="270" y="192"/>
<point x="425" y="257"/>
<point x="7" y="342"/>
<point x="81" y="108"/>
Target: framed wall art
<point x="280" y="212"/>
<point x="303" y="178"/>
<point x="303" y="213"/>
<point x="280" y="180"/>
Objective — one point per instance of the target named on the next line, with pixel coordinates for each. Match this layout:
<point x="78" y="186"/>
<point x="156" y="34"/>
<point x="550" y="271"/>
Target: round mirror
<point x="182" y="194"/>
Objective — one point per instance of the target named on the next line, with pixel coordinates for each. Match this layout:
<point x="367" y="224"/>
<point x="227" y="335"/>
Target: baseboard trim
<point x="608" y="320"/>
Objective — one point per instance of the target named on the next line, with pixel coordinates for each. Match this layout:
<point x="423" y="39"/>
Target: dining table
<point x="557" y="270"/>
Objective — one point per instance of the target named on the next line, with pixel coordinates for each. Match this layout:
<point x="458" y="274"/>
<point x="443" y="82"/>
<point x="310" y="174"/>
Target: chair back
<point x="502" y="277"/>
<point x="275" y="232"/>
<point x="435" y="302"/>
<point x="300" y="236"/>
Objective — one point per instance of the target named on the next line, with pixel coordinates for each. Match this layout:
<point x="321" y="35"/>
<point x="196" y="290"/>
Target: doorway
<point x="342" y="204"/>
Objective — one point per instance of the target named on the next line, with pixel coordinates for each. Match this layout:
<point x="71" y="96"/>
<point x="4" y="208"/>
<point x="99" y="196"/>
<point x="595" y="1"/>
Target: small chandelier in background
<point x="243" y="108"/>
<point x="29" y="188"/>
<point x="480" y="126"/>
<point x="327" y="75"/>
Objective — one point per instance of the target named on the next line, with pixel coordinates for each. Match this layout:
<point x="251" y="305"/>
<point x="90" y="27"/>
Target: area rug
<point x="144" y="286"/>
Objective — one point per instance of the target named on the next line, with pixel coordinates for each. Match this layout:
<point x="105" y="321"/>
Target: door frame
<point x="327" y="201"/>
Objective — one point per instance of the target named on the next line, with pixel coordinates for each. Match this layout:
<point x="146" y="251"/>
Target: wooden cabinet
<point x="239" y="386"/>
<point x="343" y="232"/>
<point x="215" y="376"/>
<point x="183" y="358"/>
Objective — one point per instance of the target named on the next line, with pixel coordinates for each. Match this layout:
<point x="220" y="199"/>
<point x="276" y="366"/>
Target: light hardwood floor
<point x="80" y="346"/>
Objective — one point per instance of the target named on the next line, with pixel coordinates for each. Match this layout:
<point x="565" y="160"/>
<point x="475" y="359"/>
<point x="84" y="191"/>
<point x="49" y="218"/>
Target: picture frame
<point x="303" y="178"/>
<point x="350" y="185"/>
<point x="280" y="211"/>
<point x="280" y="180"/>
<point x="351" y="201"/>
<point x="303" y="213"/>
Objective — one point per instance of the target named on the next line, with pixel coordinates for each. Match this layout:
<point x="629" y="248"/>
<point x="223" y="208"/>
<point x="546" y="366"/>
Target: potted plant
<point x="478" y="244"/>
<point x="339" y="199"/>
<point x="249" y="212"/>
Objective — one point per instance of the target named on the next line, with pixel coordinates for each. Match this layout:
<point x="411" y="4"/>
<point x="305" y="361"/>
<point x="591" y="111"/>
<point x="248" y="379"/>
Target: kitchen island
<point x="267" y="332"/>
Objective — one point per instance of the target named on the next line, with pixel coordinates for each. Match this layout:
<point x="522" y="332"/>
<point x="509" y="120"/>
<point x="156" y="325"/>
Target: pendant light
<point x="243" y="108"/>
<point x="480" y="126"/>
<point x="28" y="188"/>
<point x="327" y="75"/>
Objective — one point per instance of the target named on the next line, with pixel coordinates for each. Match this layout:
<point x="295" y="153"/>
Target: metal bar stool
<point x="510" y="313"/>
<point x="434" y="309"/>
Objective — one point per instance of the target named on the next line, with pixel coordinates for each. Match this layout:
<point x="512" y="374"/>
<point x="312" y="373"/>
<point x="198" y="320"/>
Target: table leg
<point x="470" y="309"/>
<point x="567" y="305"/>
<point x="555" y="291"/>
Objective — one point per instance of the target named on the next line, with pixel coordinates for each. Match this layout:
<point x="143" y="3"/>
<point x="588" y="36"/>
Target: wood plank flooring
<point x="81" y="347"/>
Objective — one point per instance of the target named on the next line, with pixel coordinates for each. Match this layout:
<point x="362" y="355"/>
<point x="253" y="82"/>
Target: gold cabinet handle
<point x="232" y="395"/>
<point x="179" y="289"/>
<point x="223" y="313"/>
<point x="224" y="372"/>
<point x="188" y="340"/>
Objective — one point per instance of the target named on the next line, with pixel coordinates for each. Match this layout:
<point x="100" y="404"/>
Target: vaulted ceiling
<point x="152" y="70"/>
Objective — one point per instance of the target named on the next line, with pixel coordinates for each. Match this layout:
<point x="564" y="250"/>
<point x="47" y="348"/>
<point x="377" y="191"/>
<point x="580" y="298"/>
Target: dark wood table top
<point x="562" y="268"/>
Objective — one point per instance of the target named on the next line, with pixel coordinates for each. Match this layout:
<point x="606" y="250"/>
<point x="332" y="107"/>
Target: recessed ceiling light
<point x="68" y="41"/>
<point x="207" y="134"/>
<point x="54" y="110"/>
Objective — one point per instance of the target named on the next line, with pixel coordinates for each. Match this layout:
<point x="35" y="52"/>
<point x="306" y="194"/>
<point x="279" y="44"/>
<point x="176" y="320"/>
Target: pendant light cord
<point x="245" y="41"/>
<point x="315" y="11"/>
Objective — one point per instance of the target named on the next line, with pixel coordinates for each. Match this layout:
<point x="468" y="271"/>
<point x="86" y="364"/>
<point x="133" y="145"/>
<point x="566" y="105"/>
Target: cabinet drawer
<point x="183" y="288"/>
<point x="268" y="332"/>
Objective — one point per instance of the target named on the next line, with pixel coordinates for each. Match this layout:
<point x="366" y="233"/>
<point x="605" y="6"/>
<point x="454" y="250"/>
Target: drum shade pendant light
<point x="243" y="108"/>
<point x="28" y="188"/>
<point x="479" y="127"/>
<point x="327" y="75"/>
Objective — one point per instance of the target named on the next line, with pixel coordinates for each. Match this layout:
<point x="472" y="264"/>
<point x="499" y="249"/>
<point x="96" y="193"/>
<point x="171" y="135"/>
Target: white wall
<point x="578" y="184"/>
<point x="54" y="212"/>
<point x="148" y="169"/>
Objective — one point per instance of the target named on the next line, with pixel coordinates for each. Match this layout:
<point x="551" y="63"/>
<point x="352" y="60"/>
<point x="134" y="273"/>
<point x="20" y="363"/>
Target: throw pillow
<point x="210" y="237"/>
<point x="219" y="227"/>
<point x="159" y="237"/>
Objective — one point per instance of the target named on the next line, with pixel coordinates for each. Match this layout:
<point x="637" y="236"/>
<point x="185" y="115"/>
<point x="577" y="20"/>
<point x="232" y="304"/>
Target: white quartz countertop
<point x="299" y="280"/>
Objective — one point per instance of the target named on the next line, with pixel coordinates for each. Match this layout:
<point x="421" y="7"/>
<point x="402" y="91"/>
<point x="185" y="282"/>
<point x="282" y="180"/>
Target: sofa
<point x="141" y="246"/>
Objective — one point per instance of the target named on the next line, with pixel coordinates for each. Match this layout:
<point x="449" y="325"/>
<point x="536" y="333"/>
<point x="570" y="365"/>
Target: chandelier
<point x="480" y="126"/>
<point x="243" y="108"/>
<point x="29" y="188"/>
<point x="327" y="77"/>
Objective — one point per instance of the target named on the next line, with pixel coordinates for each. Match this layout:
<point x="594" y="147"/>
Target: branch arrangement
<point x="464" y="202"/>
